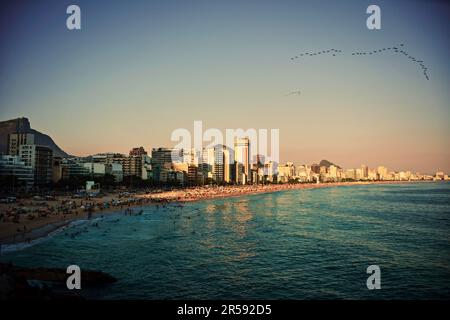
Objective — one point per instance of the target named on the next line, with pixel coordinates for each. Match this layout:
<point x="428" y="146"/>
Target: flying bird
<point x="297" y="93"/>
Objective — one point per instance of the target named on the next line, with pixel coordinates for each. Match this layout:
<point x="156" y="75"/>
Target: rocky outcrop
<point x="326" y="163"/>
<point x="16" y="282"/>
<point x="23" y="125"/>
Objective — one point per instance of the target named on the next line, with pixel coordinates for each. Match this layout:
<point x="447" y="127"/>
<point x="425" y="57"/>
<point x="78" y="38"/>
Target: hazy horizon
<point x="139" y="70"/>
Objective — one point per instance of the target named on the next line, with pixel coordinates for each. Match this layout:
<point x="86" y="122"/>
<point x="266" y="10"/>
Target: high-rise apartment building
<point x="286" y="172"/>
<point x="364" y="172"/>
<point x="14" y="167"/>
<point x="162" y="159"/>
<point x="383" y="173"/>
<point x="242" y="160"/>
<point x="139" y="151"/>
<point x="40" y="158"/>
<point x="350" y="174"/>
<point x="207" y="164"/>
<point x="15" y="140"/>
<point x="222" y="165"/>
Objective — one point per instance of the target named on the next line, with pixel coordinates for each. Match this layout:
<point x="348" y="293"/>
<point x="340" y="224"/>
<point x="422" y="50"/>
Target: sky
<point x="138" y="70"/>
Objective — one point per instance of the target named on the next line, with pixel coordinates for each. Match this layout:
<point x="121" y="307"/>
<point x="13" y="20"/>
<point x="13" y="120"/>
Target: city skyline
<point x="31" y="161"/>
<point x="297" y="163"/>
<point x="282" y="161"/>
<point x="133" y="75"/>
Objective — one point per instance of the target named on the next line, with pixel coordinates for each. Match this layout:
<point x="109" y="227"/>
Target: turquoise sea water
<point x="300" y="244"/>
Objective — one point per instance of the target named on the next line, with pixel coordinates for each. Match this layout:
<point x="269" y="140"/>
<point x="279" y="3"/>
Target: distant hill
<point x="23" y="125"/>
<point x="326" y="163"/>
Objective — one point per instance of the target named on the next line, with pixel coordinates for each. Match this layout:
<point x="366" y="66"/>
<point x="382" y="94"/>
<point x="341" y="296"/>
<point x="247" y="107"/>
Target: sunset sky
<point x="140" y="69"/>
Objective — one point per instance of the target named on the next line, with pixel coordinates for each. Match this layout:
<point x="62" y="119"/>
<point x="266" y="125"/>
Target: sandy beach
<point x="29" y="219"/>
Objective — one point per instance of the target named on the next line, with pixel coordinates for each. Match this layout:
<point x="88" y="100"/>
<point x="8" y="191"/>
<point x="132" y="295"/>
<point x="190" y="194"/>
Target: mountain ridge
<point x="326" y="163"/>
<point x="22" y="125"/>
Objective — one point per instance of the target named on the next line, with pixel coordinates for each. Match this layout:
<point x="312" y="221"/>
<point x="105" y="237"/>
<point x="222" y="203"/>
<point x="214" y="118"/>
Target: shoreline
<point x="45" y="229"/>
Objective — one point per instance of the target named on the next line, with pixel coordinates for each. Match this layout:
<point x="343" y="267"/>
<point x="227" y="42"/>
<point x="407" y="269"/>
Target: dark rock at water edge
<point x="45" y="283"/>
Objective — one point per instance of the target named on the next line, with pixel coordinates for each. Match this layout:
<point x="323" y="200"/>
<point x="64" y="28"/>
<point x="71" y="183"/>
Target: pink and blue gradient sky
<point x="140" y="69"/>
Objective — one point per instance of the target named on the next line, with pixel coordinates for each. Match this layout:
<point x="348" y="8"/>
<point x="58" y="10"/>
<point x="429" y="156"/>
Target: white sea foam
<point x="13" y="247"/>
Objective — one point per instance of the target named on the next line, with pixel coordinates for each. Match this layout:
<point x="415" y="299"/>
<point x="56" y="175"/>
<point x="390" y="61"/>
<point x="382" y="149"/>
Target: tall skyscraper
<point x="222" y="166"/>
<point x="364" y="172"/>
<point x="242" y="160"/>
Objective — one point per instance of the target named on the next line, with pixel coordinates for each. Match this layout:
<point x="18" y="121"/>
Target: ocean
<point x="297" y="244"/>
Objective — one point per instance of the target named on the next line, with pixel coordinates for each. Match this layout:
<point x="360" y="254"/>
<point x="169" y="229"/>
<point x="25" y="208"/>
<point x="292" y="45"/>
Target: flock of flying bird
<point x="396" y="49"/>
<point x="333" y="52"/>
<point x="297" y="93"/>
